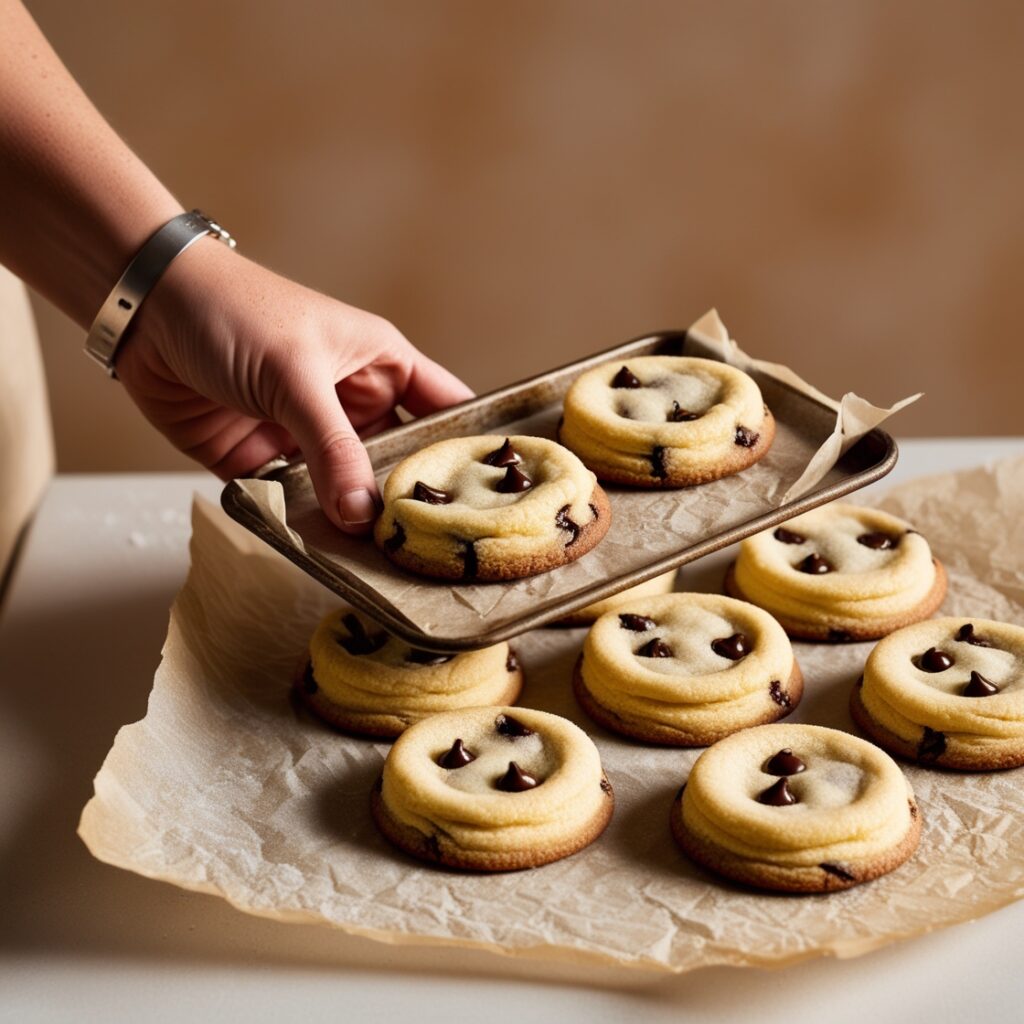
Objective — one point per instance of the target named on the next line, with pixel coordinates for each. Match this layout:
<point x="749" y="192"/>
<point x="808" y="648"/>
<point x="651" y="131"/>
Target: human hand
<point x="236" y="365"/>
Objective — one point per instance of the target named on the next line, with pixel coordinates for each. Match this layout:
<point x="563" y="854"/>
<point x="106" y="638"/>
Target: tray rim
<point x="234" y="503"/>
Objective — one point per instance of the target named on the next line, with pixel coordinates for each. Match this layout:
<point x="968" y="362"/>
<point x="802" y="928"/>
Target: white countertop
<point x="80" y="634"/>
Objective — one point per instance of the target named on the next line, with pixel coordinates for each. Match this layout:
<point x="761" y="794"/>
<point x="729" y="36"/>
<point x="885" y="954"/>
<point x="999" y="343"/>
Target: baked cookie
<point x="666" y="421"/>
<point x="686" y="669"/>
<point x="840" y="573"/>
<point x="492" y="789"/>
<point x="360" y="679"/>
<point x="796" y="808"/>
<point x="490" y="508"/>
<point x="662" y="584"/>
<point x="948" y="692"/>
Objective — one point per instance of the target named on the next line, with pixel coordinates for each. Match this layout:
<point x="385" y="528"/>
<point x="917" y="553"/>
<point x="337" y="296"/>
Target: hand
<point x="235" y="365"/>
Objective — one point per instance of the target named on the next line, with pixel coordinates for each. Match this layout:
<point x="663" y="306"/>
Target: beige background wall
<point x="518" y="184"/>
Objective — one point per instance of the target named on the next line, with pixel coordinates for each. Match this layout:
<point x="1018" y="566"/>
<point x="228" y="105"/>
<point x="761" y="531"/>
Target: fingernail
<point x="357" y="507"/>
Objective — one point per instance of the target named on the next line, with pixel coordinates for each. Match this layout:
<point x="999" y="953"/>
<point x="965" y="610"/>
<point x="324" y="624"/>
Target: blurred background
<point x="517" y="185"/>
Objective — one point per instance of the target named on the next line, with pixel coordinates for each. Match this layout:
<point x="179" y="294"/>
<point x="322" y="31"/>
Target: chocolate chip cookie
<point x="362" y="680"/>
<point x="488" y="508"/>
<point x="492" y="789"/>
<point x="796" y="808"/>
<point x="686" y="669"/>
<point x="840" y="573"/>
<point x="948" y="692"/>
<point x="666" y="421"/>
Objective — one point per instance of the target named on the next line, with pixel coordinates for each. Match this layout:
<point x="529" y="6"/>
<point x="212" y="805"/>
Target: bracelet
<point x="150" y="262"/>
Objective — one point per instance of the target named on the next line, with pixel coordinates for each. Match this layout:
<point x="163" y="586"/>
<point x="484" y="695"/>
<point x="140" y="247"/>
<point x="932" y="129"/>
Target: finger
<point x="432" y="387"/>
<point x="385" y="422"/>
<point x="267" y="441"/>
<point x="338" y="464"/>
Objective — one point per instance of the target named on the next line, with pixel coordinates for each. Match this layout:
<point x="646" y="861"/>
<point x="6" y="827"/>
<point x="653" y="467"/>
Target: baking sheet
<point x="226" y="787"/>
<point x="815" y="458"/>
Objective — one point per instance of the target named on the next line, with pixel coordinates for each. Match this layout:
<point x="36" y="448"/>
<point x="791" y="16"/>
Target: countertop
<point x="81" y="628"/>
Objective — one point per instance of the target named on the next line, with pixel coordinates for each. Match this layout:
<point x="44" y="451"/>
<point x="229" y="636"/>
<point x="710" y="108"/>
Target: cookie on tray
<point x="840" y="573"/>
<point x="662" y="584"/>
<point x="686" y="669"/>
<point x="948" y="692"/>
<point x="492" y="789"/>
<point x="488" y="508"/>
<point x="796" y="808"/>
<point x="666" y="421"/>
<point x="362" y="680"/>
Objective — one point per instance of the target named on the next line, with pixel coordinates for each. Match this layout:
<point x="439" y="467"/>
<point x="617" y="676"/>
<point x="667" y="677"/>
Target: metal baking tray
<point x="651" y="531"/>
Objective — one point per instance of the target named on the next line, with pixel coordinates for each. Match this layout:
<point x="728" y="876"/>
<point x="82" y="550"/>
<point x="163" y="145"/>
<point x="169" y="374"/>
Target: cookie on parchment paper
<point x="492" y="789"/>
<point x="796" y="808"/>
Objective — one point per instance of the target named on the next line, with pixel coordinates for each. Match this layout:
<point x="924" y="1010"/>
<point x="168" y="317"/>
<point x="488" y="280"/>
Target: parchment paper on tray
<point x="651" y="531"/>
<point x="226" y="788"/>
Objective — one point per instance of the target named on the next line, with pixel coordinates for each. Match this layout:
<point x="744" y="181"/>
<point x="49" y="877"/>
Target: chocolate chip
<point x="658" y="463"/>
<point x="815" y="565"/>
<point x="732" y="647"/>
<point x="966" y="635"/>
<point x="785" y="762"/>
<point x="878" y="541"/>
<point x="596" y="513"/>
<point x="839" y="636"/>
<point x="777" y="795"/>
<point x="309" y="684"/>
<point x="511" y="727"/>
<point x="680" y="415"/>
<point x="564" y="522"/>
<point x="746" y="438"/>
<point x="636" y="623"/>
<point x="913" y="809"/>
<point x="431" y="495"/>
<point x="397" y="539"/>
<point x="655" y="648"/>
<point x="934" y="660"/>
<point x="515" y="780"/>
<point x="511" y="662"/>
<point x="506" y="455"/>
<point x="514" y="481"/>
<point x="784" y="536"/>
<point x="932" y="745"/>
<point x="779" y="695"/>
<point x="835" y="869"/>
<point x="457" y="757"/>
<point x="606" y="787"/>
<point x="625" y="379"/>
<point x="470" y="564"/>
<point x="359" y="641"/>
<point x="979" y="686"/>
<point x="418" y="657"/>
<point x="434" y="846"/>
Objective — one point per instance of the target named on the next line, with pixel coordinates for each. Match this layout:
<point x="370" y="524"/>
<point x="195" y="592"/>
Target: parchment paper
<point x="227" y="788"/>
<point x="647" y="526"/>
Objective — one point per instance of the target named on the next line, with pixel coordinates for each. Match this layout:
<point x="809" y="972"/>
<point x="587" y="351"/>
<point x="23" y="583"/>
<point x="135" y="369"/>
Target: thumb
<point x="338" y="464"/>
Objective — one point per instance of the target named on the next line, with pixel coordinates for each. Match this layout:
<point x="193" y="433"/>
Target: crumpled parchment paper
<point x="646" y="525"/>
<point x="225" y="787"/>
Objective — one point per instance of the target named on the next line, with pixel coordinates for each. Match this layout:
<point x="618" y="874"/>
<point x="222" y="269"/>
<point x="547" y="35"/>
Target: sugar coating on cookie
<point x="360" y="678"/>
<point x="797" y="806"/>
<point x="666" y="421"/>
<point x="948" y="692"/>
<point x="493" y="788"/>
<point x="687" y="669"/>
<point x="490" y="508"/>
<point x="662" y="584"/>
<point x="840" y="572"/>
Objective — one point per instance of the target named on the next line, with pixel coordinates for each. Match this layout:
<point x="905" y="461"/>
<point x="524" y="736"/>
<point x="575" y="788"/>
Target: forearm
<point x="75" y="202"/>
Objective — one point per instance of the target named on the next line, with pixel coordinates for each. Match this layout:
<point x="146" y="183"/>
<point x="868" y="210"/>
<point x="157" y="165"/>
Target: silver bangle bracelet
<point x="141" y="275"/>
